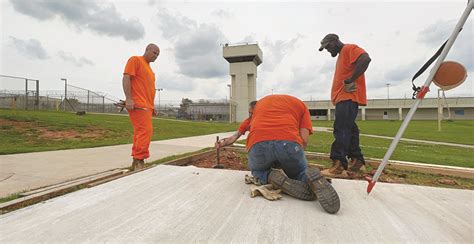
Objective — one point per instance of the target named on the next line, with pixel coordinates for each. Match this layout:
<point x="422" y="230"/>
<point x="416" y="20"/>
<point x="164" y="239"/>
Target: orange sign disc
<point x="450" y="75"/>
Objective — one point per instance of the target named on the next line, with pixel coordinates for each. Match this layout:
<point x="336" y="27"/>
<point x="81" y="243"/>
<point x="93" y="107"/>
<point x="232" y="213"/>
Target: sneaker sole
<point x="294" y="188"/>
<point x="324" y="191"/>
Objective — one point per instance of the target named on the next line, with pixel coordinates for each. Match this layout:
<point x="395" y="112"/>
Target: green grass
<point x="10" y="197"/>
<point x="405" y="151"/>
<point x="459" y="131"/>
<point x="115" y="130"/>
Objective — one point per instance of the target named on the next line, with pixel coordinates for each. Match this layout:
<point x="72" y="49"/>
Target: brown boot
<point x="336" y="170"/>
<point x="137" y="164"/>
<point x="141" y="164"/>
<point x="356" y="165"/>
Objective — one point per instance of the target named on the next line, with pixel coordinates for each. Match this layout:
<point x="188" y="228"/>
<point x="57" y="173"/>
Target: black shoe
<point x="294" y="188"/>
<point x="324" y="191"/>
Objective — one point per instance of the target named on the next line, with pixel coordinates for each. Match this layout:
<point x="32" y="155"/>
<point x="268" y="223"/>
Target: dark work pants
<point x="346" y="133"/>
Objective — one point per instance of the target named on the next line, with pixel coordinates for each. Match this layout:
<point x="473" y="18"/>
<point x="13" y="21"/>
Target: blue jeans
<point x="346" y="133"/>
<point x="287" y="155"/>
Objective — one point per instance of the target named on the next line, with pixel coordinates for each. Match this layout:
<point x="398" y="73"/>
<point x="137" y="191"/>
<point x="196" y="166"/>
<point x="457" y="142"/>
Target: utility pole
<point x="388" y="93"/>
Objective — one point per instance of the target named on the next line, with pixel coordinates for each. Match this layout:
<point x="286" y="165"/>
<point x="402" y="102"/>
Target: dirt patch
<point x="29" y="128"/>
<point x="230" y="160"/>
<point x="236" y="160"/>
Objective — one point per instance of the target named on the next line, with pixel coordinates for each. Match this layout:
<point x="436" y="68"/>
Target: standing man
<point x="347" y="94"/>
<point x="279" y="132"/>
<point x="139" y="88"/>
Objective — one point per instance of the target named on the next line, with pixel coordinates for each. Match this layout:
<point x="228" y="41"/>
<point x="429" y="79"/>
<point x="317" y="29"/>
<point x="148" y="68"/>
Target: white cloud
<point x="30" y="48"/>
<point x="275" y="51"/>
<point x="196" y="48"/>
<point x="83" y="14"/>
<point x="462" y="50"/>
<point x="79" y="62"/>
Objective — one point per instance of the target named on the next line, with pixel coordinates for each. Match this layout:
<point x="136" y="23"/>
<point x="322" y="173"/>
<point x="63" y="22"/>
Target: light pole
<point x="388" y="93"/>
<point x="230" y="103"/>
<point x="65" y="93"/>
<point x="158" y="110"/>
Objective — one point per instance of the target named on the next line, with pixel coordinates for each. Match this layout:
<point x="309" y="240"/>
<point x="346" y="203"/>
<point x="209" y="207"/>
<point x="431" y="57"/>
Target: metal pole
<point x="230" y="103"/>
<point x="103" y="104"/>
<point x="421" y="94"/>
<point x="87" y="106"/>
<point x="65" y="93"/>
<point x="37" y="94"/>
<point x="26" y="94"/>
<point x="440" y="111"/>
<point x="159" y="101"/>
<point x="388" y="93"/>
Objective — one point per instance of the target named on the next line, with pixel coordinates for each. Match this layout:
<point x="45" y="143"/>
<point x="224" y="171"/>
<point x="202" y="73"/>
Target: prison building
<point x="460" y="108"/>
<point x="216" y="111"/>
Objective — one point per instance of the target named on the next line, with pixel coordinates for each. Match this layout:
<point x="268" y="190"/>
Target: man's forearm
<point x="233" y="138"/>
<point x="127" y="86"/>
<point x="361" y="66"/>
<point x="304" y="133"/>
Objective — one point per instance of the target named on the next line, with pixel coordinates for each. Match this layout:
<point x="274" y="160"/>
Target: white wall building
<point x="462" y="108"/>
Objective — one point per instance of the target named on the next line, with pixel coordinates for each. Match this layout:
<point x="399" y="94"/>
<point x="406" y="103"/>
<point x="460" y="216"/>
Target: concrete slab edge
<point x="53" y="192"/>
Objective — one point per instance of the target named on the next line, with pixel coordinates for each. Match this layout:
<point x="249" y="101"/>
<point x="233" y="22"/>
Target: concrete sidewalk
<point x="174" y="204"/>
<point x="19" y="172"/>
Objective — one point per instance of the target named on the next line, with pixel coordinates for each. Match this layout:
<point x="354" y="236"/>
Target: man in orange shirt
<point x="279" y="132"/>
<point x="139" y="88"/>
<point x="347" y="94"/>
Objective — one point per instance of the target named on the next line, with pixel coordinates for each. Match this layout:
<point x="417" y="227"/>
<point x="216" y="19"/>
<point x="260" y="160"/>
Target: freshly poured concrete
<point x="188" y="204"/>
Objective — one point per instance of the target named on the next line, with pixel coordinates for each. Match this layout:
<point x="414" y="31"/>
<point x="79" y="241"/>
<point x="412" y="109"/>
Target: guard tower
<point x="243" y="60"/>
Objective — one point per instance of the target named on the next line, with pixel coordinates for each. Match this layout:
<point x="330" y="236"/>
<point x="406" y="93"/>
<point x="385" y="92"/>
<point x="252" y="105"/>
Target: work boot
<point x="356" y="165"/>
<point x="324" y="191"/>
<point x="141" y="164"/>
<point x="294" y="188"/>
<point x="337" y="170"/>
<point x="138" y="164"/>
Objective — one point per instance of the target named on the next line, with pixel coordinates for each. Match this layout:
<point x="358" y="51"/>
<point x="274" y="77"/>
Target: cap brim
<point x="322" y="46"/>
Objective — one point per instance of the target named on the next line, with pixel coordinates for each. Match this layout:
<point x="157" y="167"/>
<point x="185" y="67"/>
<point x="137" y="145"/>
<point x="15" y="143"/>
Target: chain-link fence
<point x="19" y="92"/>
<point x="80" y="99"/>
<point x="25" y="93"/>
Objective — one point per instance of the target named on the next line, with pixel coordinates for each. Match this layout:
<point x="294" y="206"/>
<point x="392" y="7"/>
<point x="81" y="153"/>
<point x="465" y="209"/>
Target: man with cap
<point x="348" y="92"/>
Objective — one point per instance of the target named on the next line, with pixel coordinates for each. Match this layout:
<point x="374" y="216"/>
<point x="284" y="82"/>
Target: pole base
<point x="371" y="184"/>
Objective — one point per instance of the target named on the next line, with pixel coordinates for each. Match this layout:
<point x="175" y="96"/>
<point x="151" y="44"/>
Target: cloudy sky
<point x="88" y="42"/>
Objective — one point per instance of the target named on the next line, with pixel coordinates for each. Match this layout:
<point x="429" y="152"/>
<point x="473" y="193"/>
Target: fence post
<point x="37" y="95"/>
<point x="65" y="92"/>
<point x="87" y="107"/>
<point x="103" y="104"/>
<point x="26" y="94"/>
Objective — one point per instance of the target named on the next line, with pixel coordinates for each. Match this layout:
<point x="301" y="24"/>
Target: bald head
<point x="151" y="52"/>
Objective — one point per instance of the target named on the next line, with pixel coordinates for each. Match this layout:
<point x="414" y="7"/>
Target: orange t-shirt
<point x="143" y="81"/>
<point x="344" y="68"/>
<point x="278" y="117"/>
<point x="244" y="126"/>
